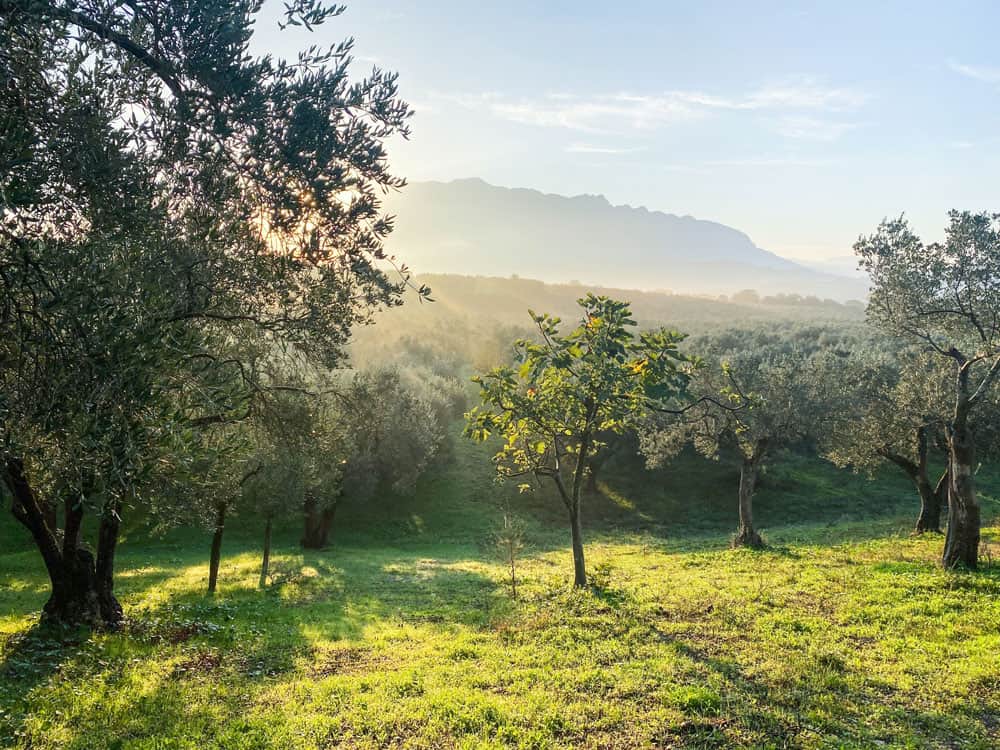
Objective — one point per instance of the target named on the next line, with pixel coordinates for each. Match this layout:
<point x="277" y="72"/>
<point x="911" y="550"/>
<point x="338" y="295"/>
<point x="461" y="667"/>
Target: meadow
<point x="843" y="633"/>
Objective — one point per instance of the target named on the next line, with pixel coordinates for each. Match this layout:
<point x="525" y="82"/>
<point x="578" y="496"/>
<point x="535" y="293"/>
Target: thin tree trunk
<point x="579" y="566"/>
<point x="213" y="563"/>
<point x="265" y="562"/>
<point x="746" y="535"/>
<point x="573" y="503"/>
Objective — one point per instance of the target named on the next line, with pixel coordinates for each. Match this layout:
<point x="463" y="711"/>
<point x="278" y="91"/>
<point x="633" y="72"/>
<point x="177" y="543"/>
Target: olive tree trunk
<point x="216" y="555"/>
<point x="81" y="588"/>
<point x="318" y="523"/>
<point x="961" y="547"/>
<point x="265" y="563"/>
<point x="932" y="501"/>
<point x="931" y="497"/>
<point x="746" y="535"/>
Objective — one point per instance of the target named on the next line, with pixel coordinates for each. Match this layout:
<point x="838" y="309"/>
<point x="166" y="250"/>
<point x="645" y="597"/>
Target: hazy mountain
<point x="841" y="265"/>
<point x="471" y="227"/>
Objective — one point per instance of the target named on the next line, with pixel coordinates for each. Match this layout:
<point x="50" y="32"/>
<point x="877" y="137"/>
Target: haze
<point x="802" y="125"/>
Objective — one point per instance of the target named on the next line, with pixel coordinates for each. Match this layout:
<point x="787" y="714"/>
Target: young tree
<point x="287" y="435"/>
<point x="570" y="388"/>
<point x="166" y="194"/>
<point x="946" y="296"/>
<point x="749" y="405"/>
<point x="509" y="542"/>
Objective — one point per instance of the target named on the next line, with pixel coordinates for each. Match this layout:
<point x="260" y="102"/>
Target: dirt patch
<point x="201" y="662"/>
<point x="347" y="660"/>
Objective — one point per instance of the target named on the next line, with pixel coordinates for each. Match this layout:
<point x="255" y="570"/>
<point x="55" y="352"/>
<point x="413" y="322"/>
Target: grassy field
<point x="843" y="634"/>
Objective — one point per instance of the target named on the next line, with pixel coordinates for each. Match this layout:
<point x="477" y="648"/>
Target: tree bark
<point x="576" y="531"/>
<point x="746" y="535"/>
<point x="571" y="499"/>
<point x="265" y="562"/>
<point x="107" y="545"/>
<point x="318" y="523"/>
<point x="931" y="502"/>
<point x="929" y="519"/>
<point x="72" y="575"/>
<point x="213" y="563"/>
<point x="961" y="547"/>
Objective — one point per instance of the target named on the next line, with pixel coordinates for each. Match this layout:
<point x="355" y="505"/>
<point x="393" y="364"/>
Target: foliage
<point x="879" y="406"/>
<point x="598" y="377"/>
<point x="752" y="400"/>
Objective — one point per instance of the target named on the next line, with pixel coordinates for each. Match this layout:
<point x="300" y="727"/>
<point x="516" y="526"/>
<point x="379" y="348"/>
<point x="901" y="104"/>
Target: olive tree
<point x="748" y="405"/>
<point x="297" y="459"/>
<point x="568" y="389"/>
<point x="889" y="410"/>
<point x="166" y="195"/>
<point x="945" y="296"/>
<point x="380" y="436"/>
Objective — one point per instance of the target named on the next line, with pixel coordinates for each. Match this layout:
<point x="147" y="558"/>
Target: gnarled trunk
<point x="318" y="522"/>
<point x="107" y="545"/>
<point x="932" y="500"/>
<point x="961" y="547"/>
<point x="746" y="535"/>
<point x="81" y="590"/>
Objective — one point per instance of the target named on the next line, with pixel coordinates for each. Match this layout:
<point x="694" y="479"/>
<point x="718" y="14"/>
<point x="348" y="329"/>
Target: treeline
<point x="752" y="297"/>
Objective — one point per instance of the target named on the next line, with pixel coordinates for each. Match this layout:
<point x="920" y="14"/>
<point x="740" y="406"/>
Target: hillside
<point x="471" y="227"/>
<point x="405" y="634"/>
<point x="481" y="315"/>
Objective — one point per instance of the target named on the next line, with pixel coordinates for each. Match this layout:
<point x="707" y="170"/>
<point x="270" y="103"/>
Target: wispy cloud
<point x="983" y="73"/>
<point x="625" y="111"/>
<point x="771" y="161"/>
<point x="587" y="148"/>
<point x="812" y="128"/>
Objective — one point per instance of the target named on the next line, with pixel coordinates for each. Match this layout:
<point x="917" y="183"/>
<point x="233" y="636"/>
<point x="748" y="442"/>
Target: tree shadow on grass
<point x="789" y="715"/>
<point x="312" y="621"/>
<point x="30" y="658"/>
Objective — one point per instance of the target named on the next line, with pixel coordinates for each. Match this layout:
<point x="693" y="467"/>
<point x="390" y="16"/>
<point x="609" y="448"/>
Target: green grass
<point x="843" y="634"/>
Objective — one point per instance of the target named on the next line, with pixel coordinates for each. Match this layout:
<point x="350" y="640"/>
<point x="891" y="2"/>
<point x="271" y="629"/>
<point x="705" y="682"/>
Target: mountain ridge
<point x="469" y="226"/>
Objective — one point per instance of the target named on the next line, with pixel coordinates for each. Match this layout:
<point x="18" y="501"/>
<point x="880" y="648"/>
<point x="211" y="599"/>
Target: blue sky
<point x="802" y="124"/>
